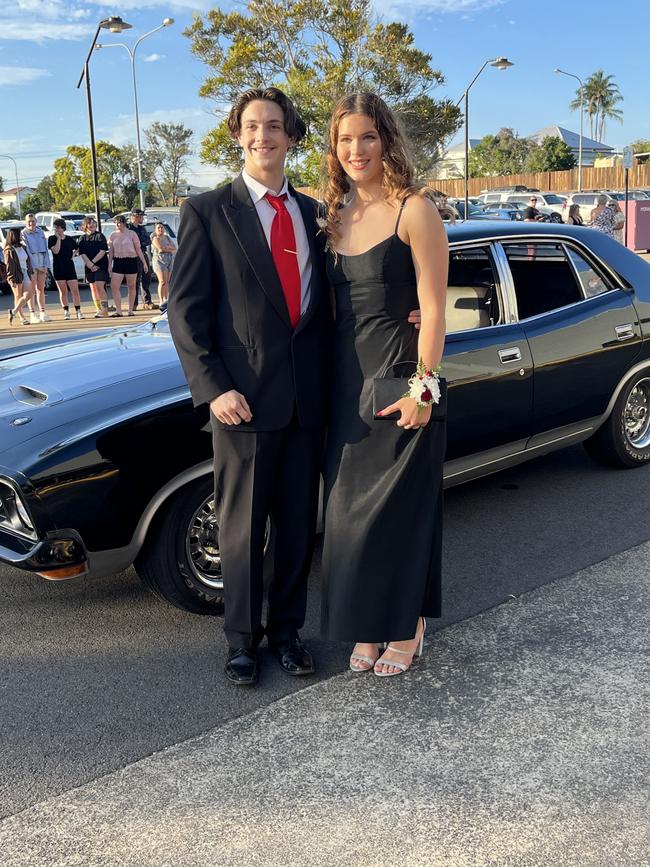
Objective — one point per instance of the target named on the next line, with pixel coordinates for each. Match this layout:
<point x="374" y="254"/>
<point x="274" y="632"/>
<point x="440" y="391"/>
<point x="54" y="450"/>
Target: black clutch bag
<point x="389" y="389"/>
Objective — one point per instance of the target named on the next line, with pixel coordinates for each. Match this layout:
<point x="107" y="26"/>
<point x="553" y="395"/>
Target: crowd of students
<point x="123" y="257"/>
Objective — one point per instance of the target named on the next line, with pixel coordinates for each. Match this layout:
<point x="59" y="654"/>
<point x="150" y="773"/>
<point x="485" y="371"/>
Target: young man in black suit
<point x="249" y="315"/>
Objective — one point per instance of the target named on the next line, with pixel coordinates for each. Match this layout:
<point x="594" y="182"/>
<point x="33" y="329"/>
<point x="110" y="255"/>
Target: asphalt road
<point x="96" y="675"/>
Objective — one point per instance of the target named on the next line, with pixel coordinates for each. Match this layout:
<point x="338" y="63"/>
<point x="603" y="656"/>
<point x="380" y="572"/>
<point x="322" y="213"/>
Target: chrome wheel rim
<point x="636" y="415"/>
<point x="202" y="545"/>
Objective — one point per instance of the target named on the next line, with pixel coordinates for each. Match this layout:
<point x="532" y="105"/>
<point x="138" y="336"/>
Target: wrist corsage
<point x="424" y="385"/>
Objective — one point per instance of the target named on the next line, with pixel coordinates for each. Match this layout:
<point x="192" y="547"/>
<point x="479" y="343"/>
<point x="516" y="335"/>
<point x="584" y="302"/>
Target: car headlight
<point x="14" y="515"/>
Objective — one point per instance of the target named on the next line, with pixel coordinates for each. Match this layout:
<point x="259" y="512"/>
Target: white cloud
<point x="152" y="58"/>
<point x="43" y="31"/>
<point x="16" y="75"/>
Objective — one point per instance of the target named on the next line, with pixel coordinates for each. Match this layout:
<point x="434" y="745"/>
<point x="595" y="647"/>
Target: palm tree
<point x="601" y="95"/>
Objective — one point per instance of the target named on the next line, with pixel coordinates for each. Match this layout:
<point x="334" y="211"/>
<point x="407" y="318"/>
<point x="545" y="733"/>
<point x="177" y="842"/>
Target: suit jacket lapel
<point x="245" y="223"/>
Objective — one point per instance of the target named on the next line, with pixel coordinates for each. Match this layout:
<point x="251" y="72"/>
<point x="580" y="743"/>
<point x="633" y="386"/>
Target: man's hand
<point x="415" y="318"/>
<point x="231" y="408"/>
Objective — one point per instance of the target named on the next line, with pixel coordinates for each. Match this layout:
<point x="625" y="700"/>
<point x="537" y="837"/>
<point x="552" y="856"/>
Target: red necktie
<point x="285" y="255"/>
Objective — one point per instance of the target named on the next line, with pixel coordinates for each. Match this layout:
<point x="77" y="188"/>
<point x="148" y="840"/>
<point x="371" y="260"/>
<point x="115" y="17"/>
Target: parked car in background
<point x="587" y="200"/>
<point x="549" y="203"/>
<point x="547" y="345"/>
<point x="476" y="212"/>
<point x="45" y="219"/>
<point x="509" y="211"/>
<point x="168" y="215"/>
<point x="619" y="195"/>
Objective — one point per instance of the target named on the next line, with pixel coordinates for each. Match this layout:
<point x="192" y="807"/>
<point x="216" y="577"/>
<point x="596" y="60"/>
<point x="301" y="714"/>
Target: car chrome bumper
<point x="62" y="554"/>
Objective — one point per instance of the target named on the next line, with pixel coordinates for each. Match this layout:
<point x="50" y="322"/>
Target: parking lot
<point x="97" y="675"/>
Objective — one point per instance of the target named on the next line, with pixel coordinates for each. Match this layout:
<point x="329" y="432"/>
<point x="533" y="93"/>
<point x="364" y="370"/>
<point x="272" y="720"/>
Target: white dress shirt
<point x="266" y="213"/>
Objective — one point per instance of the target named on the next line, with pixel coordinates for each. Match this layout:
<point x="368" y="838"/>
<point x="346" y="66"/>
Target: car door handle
<point x="624" y="332"/>
<point x="512" y="353"/>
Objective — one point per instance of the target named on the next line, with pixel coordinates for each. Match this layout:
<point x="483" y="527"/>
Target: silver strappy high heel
<point x="401" y="666"/>
<point x="368" y="660"/>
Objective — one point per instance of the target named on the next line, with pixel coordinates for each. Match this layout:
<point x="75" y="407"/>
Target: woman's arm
<point x="138" y="250"/>
<point x="56" y="246"/>
<point x="110" y="253"/>
<point x="430" y="253"/>
<point x="103" y="251"/>
<point x="155" y="243"/>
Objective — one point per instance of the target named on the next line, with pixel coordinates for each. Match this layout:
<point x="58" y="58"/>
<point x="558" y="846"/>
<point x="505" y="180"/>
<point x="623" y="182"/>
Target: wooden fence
<point x="592" y="179"/>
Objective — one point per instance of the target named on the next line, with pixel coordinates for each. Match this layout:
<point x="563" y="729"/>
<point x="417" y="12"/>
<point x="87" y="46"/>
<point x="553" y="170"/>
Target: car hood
<point x="86" y="383"/>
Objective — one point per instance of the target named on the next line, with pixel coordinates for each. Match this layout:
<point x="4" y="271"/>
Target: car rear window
<point x="543" y="277"/>
<point x="552" y="199"/>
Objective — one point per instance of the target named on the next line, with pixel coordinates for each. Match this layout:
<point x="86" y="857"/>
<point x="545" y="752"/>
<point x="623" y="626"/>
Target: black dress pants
<point x="257" y="475"/>
<point x="144" y="281"/>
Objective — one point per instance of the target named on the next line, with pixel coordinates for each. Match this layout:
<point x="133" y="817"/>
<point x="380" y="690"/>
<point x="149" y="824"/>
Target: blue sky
<point x="43" y="44"/>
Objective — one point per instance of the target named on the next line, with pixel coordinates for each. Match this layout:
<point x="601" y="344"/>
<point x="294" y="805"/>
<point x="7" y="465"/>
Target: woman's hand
<point x="411" y="416"/>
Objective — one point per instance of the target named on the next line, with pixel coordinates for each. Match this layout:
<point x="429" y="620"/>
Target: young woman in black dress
<point x="93" y="249"/>
<point x="387" y="253"/>
<point x="63" y="248"/>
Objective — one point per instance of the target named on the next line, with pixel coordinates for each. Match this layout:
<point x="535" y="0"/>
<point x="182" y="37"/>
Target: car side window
<point x="543" y="277"/>
<point x="472" y="295"/>
<point x="591" y="281"/>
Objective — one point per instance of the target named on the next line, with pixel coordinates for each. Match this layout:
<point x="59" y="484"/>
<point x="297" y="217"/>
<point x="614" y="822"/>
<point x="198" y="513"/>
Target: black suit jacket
<point x="229" y="319"/>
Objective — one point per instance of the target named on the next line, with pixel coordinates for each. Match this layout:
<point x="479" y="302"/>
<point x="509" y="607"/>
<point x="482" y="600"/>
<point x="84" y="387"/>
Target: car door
<point x="582" y="329"/>
<point x="487" y="362"/>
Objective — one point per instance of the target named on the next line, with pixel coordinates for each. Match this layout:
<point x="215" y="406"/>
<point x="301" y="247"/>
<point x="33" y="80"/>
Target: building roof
<point x="14" y="190"/>
<point x="459" y="146"/>
<point x="572" y="139"/>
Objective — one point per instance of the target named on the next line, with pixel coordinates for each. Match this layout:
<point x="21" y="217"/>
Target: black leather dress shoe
<point x="241" y="666"/>
<point x="293" y="657"/>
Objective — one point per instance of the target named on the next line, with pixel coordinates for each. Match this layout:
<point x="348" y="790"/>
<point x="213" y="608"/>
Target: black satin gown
<point x="383" y="484"/>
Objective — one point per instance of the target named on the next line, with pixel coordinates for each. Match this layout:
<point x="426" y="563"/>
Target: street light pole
<point x="582" y="112"/>
<point x="7" y="157"/>
<point x="115" y="25"/>
<point x="498" y="63"/>
<point x="167" y="22"/>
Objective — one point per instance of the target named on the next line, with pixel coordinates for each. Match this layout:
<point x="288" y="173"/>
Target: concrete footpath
<point x="520" y="738"/>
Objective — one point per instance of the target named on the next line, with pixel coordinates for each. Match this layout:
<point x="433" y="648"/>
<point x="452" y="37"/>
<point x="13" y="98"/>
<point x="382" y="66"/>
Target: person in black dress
<point x="93" y="249"/>
<point x="387" y="253"/>
<point x="63" y="248"/>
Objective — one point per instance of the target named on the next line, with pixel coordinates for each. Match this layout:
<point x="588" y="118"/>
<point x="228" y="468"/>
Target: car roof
<point x="473" y="230"/>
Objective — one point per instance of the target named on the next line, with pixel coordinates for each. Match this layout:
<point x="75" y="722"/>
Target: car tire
<point x="180" y="561"/>
<point x="556" y="218"/>
<point x="624" y="439"/>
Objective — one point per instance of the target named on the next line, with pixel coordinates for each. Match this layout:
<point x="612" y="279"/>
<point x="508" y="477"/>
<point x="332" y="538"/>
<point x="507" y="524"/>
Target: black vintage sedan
<point x="104" y="462"/>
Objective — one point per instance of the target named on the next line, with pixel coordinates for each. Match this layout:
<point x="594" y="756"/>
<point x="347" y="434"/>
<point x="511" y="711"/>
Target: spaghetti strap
<point x="399" y="216"/>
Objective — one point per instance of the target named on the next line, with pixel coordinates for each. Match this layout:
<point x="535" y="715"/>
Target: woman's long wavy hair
<point x="399" y="171"/>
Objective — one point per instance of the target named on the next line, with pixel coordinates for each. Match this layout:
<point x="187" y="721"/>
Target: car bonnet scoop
<point x="33" y="396"/>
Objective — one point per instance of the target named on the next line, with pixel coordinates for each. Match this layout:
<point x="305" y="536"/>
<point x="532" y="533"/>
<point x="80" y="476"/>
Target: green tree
<point x="8" y="213"/>
<point x="640" y="146"/>
<point x="552" y="155"/>
<point x="72" y="183"/>
<point x="502" y="154"/>
<point x="601" y="96"/>
<point x="170" y="146"/>
<point x="316" y="52"/>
